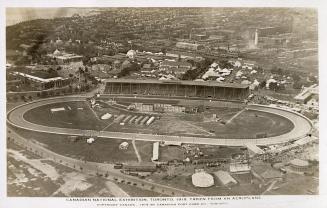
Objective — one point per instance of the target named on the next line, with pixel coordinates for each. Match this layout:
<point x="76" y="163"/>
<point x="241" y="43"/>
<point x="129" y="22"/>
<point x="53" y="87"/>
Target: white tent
<point x="90" y="140"/>
<point x="123" y="145"/>
<point x="210" y="73"/>
<point x="225" y="70"/>
<point x="202" y="179"/>
<point x="253" y="72"/>
<point x="219" y="79"/>
<point x="245" y="82"/>
<point x="106" y="116"/>
<point x="239" y="73"/>
<point x="214" y="64"/>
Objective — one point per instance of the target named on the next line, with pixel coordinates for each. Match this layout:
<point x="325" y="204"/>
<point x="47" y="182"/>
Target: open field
<point x="76" y="115"/>
<point x="295" y="185"/>
<point x="102" y="150"/>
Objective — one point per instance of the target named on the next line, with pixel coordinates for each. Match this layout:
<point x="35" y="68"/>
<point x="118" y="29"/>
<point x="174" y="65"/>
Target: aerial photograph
<point x="162" y="102"/>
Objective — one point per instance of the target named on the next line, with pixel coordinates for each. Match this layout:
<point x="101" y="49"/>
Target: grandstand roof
<point x="194" y="83"/>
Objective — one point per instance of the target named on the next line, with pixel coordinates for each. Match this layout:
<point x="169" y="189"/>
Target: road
<point x="302" y="126"/>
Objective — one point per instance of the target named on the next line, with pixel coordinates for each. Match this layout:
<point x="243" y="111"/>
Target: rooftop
<point x="193" y="83"/>
<point x="225" y="177"/>
<point x="299" y="162"/>
<point x="202" y="179"/>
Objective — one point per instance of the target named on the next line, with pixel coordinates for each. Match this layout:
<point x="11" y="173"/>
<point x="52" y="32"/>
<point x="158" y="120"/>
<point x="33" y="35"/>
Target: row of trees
<point x="201" y="67"/>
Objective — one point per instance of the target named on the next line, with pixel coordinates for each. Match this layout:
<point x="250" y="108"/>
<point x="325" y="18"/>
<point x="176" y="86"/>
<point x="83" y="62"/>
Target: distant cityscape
<point x="162" y="101"/>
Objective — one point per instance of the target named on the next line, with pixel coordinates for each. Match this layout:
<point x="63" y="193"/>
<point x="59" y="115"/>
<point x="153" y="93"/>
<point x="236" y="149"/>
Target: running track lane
<point x="302" y="126"/>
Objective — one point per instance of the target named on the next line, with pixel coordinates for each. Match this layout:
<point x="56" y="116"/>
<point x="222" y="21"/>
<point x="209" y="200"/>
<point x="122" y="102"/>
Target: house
<point x="65" y="58"/>
<point x="189" y="46"/>
<point x="175" y="67"/>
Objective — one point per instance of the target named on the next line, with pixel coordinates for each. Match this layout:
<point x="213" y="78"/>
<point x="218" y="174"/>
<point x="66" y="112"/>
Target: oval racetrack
<point x="302" y="126"/>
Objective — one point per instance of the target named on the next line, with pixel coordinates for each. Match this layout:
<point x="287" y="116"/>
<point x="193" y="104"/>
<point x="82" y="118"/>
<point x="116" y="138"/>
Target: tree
<point x="296" y="77"/>
<point x="262" y="84"/>
<point x="259" y="69"/>
<point x="273" y="86"/>
<point x="23" y="98"/>
<point x="225" y="64"/>
<point x="298" y="85"/>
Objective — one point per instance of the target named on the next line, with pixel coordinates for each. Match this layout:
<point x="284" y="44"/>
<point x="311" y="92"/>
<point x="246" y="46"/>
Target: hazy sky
<point x="16" y="15"/>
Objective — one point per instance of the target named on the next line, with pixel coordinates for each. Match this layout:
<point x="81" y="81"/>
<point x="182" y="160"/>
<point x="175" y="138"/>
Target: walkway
<point x="234" y="116"/>
<point x="136" y="151"/>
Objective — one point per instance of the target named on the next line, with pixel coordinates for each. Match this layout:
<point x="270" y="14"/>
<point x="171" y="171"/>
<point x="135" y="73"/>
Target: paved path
<point x="115" y="190"/>
<point x="302" y="126"/>
<point x="234" y="116"/>
<point x="271" y="186"/>
<point x="136" y="151"/>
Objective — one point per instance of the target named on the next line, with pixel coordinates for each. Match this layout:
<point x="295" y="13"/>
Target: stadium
<point x="223" y="120"/>
<point x="134" y="129"/>
<point x="182" y="89"/>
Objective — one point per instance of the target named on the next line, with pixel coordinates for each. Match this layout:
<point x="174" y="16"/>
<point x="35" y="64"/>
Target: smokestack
<point x="256" y="37"/>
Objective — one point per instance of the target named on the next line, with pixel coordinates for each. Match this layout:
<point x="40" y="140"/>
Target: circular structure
<point x="299" y="165"/>
<point x="202" y="179"/>
<point x="16" y="118"/>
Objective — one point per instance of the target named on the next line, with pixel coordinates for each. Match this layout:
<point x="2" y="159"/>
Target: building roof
<point x="186" y="44"/>
<point x="202" y="179"/>
<point x="176" y="64"/>
<point x="155" y="151"/>
<point x="239" y="167"/>
<point x="255" y="149"/>
<point x="38" y="78"/>
<point x="307" y="92"/>
<point x="192" y="83"/>
<point x="300" y="163"/>
<point x="225" y="178"/>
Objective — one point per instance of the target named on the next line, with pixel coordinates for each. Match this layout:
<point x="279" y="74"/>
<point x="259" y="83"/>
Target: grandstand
<point x="183" y="89"/>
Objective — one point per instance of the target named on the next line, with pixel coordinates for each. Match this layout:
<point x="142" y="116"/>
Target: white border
<point x="266" y="201"/>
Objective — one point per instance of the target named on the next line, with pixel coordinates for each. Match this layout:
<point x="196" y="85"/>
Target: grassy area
<point x="145" y="150"/>
<point x="102" y="150"/>
<point x="137" y="192"/>
<point x="76" y="115"/>
<point x="219" y="151"/>
<point x="250" y="123"/>
<point x="168" y="153"/>
<point x="296" y="185"/>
